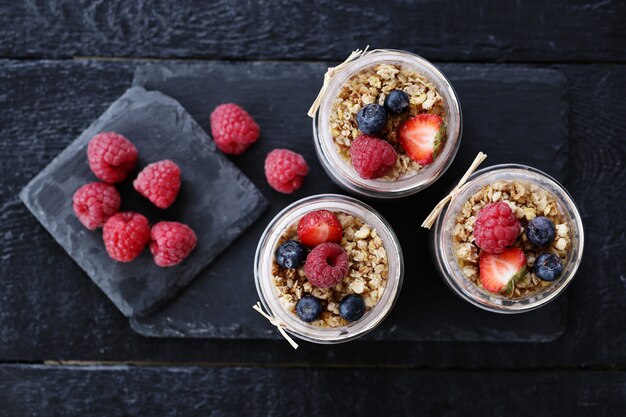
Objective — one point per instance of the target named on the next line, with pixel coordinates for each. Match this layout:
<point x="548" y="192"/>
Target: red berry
<point x="171" y="243"/>
<point x="94" y="203"/>
<point x="496" y="227"/>
<point x="111" y="156"/>
<point x="233" y="129"/>
<point x="326" y="265"/>
<point x="421" y="137"/>
<point x="319" y="226"/>
<point x="125" y="235"/>
<point x="285" y="170"/>
<point x="499" y="271"/>
<point x="371" y="157"/>
<point x="159" y="182"/>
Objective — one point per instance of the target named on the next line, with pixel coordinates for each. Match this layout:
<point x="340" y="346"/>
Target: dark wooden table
<point x="64" y="348"/>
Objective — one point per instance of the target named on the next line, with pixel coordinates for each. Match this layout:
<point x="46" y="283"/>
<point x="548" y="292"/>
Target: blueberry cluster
<point x="540" y="231"/>
<point x="372" y="118"/>
<point x="351" y="308"/>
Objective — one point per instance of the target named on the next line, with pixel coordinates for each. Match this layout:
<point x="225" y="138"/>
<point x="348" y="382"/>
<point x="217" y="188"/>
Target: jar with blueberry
<point x="388" y="124"/>
<point x="329" y="268"/>
<point x="510" y="241"/>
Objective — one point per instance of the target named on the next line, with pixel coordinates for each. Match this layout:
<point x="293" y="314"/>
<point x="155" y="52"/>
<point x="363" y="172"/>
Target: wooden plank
<point x="192" y="391"/>
<point x="50" y="310"/>
<point x="557" y="31"/>
<point x="531" y="111"/>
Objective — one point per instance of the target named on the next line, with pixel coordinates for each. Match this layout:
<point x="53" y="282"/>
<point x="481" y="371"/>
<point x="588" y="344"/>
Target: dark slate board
<point x="190" y="391"/>
<point x="513" y="114"/>
<point x="323" y="29"/>
<point x="216" y="199"/>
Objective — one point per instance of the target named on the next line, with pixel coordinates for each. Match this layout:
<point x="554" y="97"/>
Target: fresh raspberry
<point x="159" y="182"/>
<point x="326" y="265"/>
<point x="111" y="156"/>
<point x="496" y="227"/>
<point x="285" y="170"/>
<point x="171" y="242"/>
<point x="233" y="129"/>
<point x="372" y="157"/>
<point x="94" y="203"/>
<point x="125" y="235"/>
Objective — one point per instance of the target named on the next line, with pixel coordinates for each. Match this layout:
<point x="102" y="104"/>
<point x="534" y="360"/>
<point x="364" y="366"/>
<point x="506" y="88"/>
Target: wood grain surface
<point x="49" y="310"/>
<point x="111" y="391"/>
<point x="492" y="30"/>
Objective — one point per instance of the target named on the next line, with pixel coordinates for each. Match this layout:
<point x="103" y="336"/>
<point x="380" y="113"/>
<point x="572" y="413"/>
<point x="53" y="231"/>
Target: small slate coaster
<point x="514" y="114"/>
<point x="215" y="199"/>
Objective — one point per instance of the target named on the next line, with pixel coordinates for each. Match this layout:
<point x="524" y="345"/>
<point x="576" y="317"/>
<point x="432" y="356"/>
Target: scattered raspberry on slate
<point x="233" y="129"/>
<point x="94" y="203"/>
<point x="159" y="182"/>
<point x="319" y="226"/>
<point x="111" y="156"/>
<point x="326" y="265"/>
<point x="125" y="235"/>
<point x="496" y="227"/>
<point x="285" y="170"/>
<point x="171" y="243"/>
<point x="372" y="157"/>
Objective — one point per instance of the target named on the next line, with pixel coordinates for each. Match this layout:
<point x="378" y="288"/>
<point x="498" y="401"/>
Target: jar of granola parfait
<point x="430" y="118"/>
<point x="339" y="235"/>
<point x="516" y="275"/>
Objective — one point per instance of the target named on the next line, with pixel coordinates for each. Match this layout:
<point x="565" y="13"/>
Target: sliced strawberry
<point x="319" y="226"/>
<point x="500" y="271"/>
<point x="422" y="136"/>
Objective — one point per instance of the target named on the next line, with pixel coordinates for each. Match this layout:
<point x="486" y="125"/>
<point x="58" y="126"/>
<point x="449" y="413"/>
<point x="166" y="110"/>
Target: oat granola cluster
<point x="367" y="274"/>
<point x="372" y="85"/>
<point x="527" y="201"/>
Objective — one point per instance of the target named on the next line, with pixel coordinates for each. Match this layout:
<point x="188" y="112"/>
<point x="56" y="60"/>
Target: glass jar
<point x="344" y="174"/>
<point x="442" y="245"/>
<point x="265" y="254"/>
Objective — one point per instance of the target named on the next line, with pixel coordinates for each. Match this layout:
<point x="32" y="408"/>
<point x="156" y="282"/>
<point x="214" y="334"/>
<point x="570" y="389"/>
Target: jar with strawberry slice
<point x="387" y="124"/>
<point x="510" y="240"/>
<point x="329" y="267"/>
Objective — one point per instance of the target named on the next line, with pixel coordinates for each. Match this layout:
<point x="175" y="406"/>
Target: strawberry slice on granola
<point x="422" y="137"/>
<point x="500" y="271"/>
<point x="319" y="226"/>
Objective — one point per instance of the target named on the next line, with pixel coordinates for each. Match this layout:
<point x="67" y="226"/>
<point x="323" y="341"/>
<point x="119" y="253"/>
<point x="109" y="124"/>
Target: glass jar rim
<point x="446" y="261"/>
<point x="267" y="291"/>
<point x="344" y="174"/>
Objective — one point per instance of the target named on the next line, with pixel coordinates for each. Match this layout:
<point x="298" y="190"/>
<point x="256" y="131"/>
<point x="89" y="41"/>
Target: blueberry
<point x="308" y="308"/>
<point x="371" y="119"/>
<point x="397" y="102"/>
<point x="290" y="254"/>
<point x="548" y="266"/>
<point x="352" y="307"/>
<point x="540" y="231"/>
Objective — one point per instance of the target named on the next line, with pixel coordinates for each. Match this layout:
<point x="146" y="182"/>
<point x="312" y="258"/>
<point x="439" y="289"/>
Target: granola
<point x="367" y="274"/>
<point x="372" y="85"/>
<point x="527" y="201"/>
